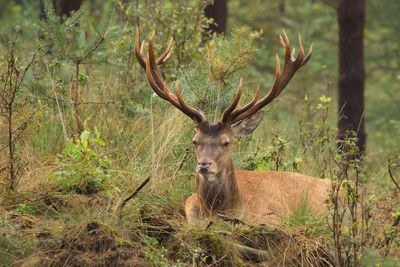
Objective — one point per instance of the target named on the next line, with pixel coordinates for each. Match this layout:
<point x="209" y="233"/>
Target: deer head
<point x="213" y="141"/>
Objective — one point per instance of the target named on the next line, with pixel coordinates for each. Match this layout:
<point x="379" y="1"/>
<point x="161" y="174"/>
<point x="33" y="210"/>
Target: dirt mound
<point x="96" y="245"/>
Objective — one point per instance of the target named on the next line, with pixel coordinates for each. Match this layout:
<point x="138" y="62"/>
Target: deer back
<point x="271" y="196"/>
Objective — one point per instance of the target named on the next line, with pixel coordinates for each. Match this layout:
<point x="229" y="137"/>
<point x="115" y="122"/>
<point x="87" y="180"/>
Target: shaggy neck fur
<point x="220" y="194"/>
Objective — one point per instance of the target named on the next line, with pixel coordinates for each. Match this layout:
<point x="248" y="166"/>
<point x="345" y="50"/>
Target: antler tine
<point x="139" y="49"/>
<point x="286" y="44"/>
<point x="237" y="112"/>
<point x="257" y="105"/>
<point x="281" y="78"/>
<point x="308" y="55"/>
<point x="301" y="49"/>
<point x="228" y="111"/>
<point x="159" y="91"/>
<point x="291" y="66"/>
<point x="197" y="115"/>
<point x="153" y="64"/>
<point x="142" y="58"/>
<point x="167" y="53"/>
<point x="160" y="86"/>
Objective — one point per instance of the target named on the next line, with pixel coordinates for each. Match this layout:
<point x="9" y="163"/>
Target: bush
<point x="80" y="168"/>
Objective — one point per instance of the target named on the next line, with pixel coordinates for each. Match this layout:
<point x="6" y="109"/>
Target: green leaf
<point x="85" y="136"/>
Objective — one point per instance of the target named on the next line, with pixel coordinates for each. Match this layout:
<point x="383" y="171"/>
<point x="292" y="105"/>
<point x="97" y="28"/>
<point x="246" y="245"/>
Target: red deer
<point x="255" y="197"/>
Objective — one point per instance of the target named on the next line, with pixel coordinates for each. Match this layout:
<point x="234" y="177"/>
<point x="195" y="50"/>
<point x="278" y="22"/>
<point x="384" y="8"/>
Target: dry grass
<point x="59" y="229"/>
<point x="42" y="226"/>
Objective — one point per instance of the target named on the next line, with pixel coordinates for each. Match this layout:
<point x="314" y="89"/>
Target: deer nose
<point x="204" y="166"/>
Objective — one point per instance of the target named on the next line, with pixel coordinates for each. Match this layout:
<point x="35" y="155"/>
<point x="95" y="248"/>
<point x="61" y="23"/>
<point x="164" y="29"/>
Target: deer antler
<point x="158" y="83"/>
<point x="291" y="66"/>
<point x="141" y="56"/>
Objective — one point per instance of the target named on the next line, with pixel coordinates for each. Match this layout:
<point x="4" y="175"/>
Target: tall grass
<point x="146" y="137"/>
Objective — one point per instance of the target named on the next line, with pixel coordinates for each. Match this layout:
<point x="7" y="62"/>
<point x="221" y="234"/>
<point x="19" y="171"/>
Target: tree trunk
<point x="63" y="8"/>
<point x="351" y="17"/>
<point x="218" y="12"/>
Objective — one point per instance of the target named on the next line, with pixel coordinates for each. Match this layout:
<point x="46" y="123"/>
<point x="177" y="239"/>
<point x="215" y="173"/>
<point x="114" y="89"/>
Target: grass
<point x="305" y="219"/>
<point x="145" y="137"/>
<point x="43" y="226"/>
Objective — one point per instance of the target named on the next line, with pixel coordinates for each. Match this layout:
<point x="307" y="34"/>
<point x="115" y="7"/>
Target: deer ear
<point x="248" y="125"/>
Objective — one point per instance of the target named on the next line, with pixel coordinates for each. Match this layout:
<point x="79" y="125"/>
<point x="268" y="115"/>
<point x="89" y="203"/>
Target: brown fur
<point x="255" y="197"/>
<point x="262" y="197"/>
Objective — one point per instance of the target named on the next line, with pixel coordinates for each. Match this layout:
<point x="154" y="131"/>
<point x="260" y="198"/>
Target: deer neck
<point x="221" y="193"/>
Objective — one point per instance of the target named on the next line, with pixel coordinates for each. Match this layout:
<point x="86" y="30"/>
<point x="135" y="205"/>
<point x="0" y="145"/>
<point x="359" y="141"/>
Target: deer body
<point x="261" y="197"/>
<point x="257" y="197"/>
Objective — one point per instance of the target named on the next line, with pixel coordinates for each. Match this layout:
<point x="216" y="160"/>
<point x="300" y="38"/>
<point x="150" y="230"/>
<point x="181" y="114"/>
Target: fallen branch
<point x="227" y="218"/>
<point x="135" y="192"/>
<point x="252" y="254"/>
<point x="168" y="228"/>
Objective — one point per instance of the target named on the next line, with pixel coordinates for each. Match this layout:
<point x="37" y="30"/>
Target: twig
<point x="96" y="103"/>
<point x="23" y="124"/>
<point x="168" y="228"/>
<point x="136" y="192"/>
<point x="26" y="69"/>
<point x="396" y="222"/>
<point x="17" y="133"/>
<point x="391" y="176"/>
<point x="388" y="239"/>
<point x="91" y="50"/>
<point x="230" y="219"/>
<point x="209" y="225"/>
<point x="182" y="162"/>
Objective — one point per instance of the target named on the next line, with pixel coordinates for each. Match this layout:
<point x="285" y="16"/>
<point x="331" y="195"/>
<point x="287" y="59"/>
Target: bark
<point x="351" y="19"/>
<point x="217" y="11"/>
<point x="63" y="7"/>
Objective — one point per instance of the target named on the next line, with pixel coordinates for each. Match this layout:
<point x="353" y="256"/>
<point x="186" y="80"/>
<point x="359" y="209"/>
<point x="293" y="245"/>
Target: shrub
<point x="80" y="168"/>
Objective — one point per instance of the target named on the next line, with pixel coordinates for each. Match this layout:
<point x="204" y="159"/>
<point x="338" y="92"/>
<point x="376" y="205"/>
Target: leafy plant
<point x="80" y="168"/>
<point x="273" y="159"/>
<point x="184" y="20"/>
<point x="155" y="254"/>
<point x="24" y="208"/>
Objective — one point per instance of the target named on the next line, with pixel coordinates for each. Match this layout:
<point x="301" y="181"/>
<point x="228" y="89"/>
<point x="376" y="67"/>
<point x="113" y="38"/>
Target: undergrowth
<point x="68" y="206"/>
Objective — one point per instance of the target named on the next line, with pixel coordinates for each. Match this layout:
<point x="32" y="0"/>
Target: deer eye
<point x="195" y="142"/>
<point x="226" y="143"/>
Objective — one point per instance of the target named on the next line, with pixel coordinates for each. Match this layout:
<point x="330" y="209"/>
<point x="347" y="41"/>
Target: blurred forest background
<point x="80" y="130"/>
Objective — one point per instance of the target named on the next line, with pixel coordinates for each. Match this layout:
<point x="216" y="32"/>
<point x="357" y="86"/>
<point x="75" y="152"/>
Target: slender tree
<point x="351" y="19"/>
<point x="217" y="11"/>
<point x="12" y="109"/>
